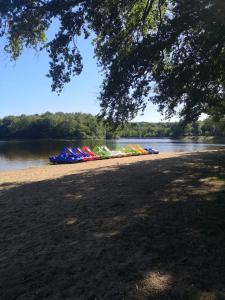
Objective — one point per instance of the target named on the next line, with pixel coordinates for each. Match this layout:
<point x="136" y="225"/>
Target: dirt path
<point x="150" y="227"/>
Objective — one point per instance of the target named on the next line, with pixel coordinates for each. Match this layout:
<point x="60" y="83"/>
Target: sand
<point x="56" y="171"/>
<point x="149" y="227"/>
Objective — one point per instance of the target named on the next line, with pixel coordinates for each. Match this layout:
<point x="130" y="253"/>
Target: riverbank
<point x="149" y="227"/>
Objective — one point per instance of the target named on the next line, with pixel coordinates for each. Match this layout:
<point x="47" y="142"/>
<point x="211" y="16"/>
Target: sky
<point x="25" y="89"/>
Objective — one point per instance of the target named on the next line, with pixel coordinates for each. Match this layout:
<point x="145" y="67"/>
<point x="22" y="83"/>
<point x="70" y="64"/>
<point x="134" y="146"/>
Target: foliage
<point x="170" y="52"/>
<point x="85" y="126"/>
<point x="207" y="127"/>
<point x="58" y="125"/>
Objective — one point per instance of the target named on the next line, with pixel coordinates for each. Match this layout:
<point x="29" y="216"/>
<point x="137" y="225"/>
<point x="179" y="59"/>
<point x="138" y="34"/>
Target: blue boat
<point x="151" y="150"/>
<point x="66" y="156"/>
<point x="80" y="153"/>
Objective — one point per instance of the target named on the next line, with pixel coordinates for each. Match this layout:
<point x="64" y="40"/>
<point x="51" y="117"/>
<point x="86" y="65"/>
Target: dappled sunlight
<point x="141" y="231"/>
<point x="119" y="218"/>
<point x="213" y="182"/>
<point x="155" y="283"/>
<point x="72" y="196"/>
<point x="209" y="296"/>
<point x="71" y="221"/>
<point x="106" y="234"/>
<point x="141" y="212"/>
<point x="196" y="182"/>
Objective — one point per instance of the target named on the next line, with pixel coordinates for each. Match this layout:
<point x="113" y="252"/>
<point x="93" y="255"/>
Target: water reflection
<point x="23" y="154"/>
<point x="175" y="145"/>
<point x="14" y="150"/>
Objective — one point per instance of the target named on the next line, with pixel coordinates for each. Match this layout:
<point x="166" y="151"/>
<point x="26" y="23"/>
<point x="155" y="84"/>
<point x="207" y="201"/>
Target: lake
<point x="25" y="154"/>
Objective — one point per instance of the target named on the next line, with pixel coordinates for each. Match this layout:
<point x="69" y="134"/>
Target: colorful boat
<point x="66" y="156"/>
<point x="123" y="151"/>
<point x="131" y="150"/>
<point x="151" y="150"/>
<point x="140" y="149"/>
<point x="77" y="151"/>
<point x="117" y="153"/>
<point x="112" y="153"/>
<point x="74" y="155"/>
<point x="87" y="150"/>
<point x="101" y="152"/>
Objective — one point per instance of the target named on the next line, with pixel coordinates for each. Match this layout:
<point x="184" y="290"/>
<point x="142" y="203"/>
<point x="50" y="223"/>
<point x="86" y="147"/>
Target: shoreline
<point x="56" y="171"/>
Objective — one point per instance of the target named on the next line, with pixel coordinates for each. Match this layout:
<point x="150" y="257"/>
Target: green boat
<point x="101" y="152"/>
<point x="129" y="149"/>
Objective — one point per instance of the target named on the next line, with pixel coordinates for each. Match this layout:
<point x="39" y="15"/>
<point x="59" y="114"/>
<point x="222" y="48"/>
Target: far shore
<point x="182" y="137"/>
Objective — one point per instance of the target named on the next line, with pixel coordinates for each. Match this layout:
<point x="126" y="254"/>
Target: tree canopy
<point x="169" y="52"/>
<point x="85" y="126"/>
<point x="58" y="126"/>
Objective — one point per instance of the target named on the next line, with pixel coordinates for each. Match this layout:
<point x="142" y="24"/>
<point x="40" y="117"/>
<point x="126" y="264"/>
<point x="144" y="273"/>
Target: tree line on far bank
<point x="86" y="126"/>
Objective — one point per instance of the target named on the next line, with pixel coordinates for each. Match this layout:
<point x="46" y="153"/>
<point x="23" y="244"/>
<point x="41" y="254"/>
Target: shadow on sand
<point x="149" y="230"/>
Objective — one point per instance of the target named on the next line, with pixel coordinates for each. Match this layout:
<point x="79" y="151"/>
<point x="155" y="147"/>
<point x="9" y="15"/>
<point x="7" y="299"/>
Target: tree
<point x="58" y="125"/>
<point x="169" y="52"/>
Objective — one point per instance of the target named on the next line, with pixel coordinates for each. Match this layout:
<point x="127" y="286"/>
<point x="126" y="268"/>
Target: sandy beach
<point x="147" y="227"/>
<point x="56" y="171"/>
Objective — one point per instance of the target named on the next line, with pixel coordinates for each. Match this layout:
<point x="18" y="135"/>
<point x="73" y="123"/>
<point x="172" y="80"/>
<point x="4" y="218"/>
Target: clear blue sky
<point x="24" y="88"/>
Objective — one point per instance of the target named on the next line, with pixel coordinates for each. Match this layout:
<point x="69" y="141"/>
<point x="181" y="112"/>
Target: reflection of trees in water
<point x="41" y="149"/>
<point x="14" y="150"/>
<point x="27" y="149"/>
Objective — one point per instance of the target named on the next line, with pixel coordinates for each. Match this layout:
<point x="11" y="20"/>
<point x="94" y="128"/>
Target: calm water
<point x="25" y="154"/>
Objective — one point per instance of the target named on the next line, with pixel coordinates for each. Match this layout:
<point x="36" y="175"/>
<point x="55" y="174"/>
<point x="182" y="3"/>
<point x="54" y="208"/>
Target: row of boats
<point x="76" y="154"/>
